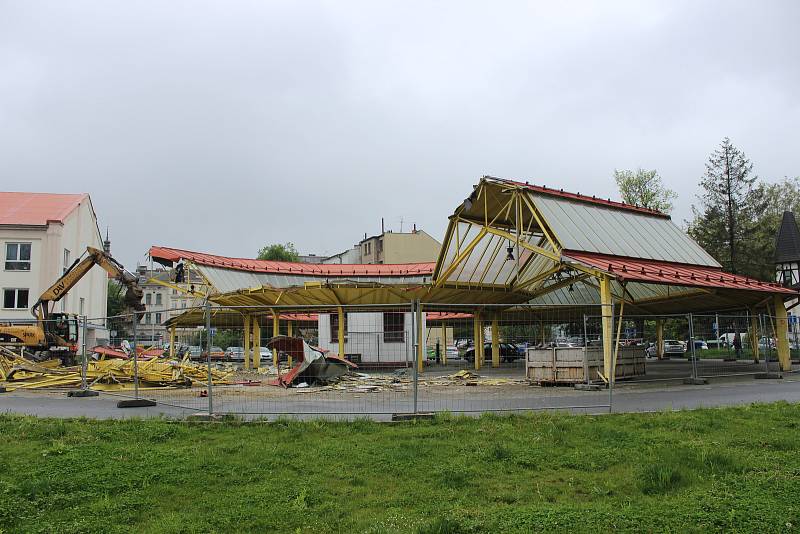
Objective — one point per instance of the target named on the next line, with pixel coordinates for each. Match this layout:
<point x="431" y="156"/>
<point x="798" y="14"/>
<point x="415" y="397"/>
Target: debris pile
<point x="104" y="374"/>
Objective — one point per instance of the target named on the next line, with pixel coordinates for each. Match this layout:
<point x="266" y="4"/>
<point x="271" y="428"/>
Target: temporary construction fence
<point x="384" y="360"/>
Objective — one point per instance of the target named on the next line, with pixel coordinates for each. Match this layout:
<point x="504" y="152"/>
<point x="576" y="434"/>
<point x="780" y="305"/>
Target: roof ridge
<point x="606" y="202"/>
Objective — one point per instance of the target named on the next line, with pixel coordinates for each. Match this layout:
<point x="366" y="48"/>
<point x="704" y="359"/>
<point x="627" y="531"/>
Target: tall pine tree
<point x="726" y="223"/>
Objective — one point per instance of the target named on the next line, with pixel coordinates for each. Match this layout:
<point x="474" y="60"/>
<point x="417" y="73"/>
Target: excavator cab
<point x="64" y="326"/>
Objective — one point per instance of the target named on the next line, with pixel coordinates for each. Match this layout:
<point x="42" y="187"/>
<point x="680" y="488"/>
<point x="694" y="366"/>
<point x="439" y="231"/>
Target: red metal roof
<point x="284" y="267"/>
<point x="37" y="209"/>
<point x="662" y="272"/>
<point x="583" y="198"/>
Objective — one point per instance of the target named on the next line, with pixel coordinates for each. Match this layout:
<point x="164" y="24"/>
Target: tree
<point x="278" y="252"/>
<point x="644" y="188"/>
<point x="115" y="301"/>
<point x="726" y="224"/>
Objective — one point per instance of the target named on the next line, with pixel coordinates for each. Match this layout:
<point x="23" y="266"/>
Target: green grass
<point x="735" y="469"/>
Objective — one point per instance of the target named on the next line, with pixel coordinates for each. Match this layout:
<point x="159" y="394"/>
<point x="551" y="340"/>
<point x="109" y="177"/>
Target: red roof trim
<point x="608" y="203"/>
<point x="284" y="267"/>
<point x="664" y="272"/>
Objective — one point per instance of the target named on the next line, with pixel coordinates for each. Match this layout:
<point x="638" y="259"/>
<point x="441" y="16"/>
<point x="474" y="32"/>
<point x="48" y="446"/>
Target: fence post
<point x="208" y="356"/>
<point x="84" y="360"/>
<point x="135" y="359"/>
<point x="691" y="342"/>
<point x="767" y="337"/>
<point x="414" y="329"/>
<point x="585" y="352"/>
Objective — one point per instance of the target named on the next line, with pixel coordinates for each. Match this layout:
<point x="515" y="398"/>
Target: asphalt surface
<point x="624" y="398"/>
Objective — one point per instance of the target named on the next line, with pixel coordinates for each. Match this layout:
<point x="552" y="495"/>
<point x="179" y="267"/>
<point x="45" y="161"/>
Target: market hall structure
<point x="513" y="244"/>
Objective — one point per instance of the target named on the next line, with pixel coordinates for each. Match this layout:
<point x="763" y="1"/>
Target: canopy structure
<point x="510" y="243"/>
<point x="557" y="247"/>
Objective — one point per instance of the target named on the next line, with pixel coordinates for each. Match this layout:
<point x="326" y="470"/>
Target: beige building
<point x="42" y="234"/>
<point x="416" y="246"/>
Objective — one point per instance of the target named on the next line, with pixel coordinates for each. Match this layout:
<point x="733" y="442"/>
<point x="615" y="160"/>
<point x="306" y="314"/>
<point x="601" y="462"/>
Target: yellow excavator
<point x="56" y="334"/>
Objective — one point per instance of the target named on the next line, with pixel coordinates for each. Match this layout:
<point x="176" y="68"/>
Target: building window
<point x="183" y="304"/>
<point x="335" y="327"/>
<point x="15" y="299"/>
<point x="81" y="305"/>
<point x="158" y="299"/>
<point x="18" y="256"/>
<point x="393" y="327"/>
<point x="146" y="318"/>
<point x="66" y="260"/>
<point x="158" y="318"/>
<point x="148" y="299"/>
<point x="380" y="246"/>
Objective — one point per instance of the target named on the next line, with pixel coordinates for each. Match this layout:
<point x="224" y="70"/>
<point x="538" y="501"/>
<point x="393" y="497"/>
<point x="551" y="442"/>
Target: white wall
<point x="78" y="231"/>
<point x="365" y="337"/>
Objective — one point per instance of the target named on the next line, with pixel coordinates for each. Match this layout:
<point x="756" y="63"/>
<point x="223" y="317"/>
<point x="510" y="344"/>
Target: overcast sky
<point x="223" y="126"/>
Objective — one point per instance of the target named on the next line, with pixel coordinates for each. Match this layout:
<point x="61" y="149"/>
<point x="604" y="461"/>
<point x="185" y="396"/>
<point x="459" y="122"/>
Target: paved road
<point x="629" y="398"/>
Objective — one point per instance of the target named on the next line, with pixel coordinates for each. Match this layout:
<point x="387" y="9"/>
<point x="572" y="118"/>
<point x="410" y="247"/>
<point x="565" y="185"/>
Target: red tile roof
<point x="608" y="203"/>
<point x="662" y="272"/>
<point x="37" y="209"/>
<point x="284" y="267"/>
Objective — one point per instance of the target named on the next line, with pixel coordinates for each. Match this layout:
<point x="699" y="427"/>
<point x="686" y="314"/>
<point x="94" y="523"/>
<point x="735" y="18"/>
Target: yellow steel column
<point x="782" y="333"/>
<point x="340" y="313"/>
<point x="475" y="341"/>
<point x="289" y="333"/>
<point x="660" y="339"/>
<point x="495" y="344"/>
<point x="478" y="340"/>
<point x="276" y="331"/>
<point x="246" y="347"/>
<point x="256" y="343"/>
<point x="754" y="337"/>
<point x="172" y="342"/>
<point x="607" y="326"/>
<point x="444" y="343"/>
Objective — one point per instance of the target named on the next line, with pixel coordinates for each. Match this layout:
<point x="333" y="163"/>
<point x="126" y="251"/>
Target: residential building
<point x="42" y="235"/>
<point x="416" y="246"/>
<point x="161" y="303"/>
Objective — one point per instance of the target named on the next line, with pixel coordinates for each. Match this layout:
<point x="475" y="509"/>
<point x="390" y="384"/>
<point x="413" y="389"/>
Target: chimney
<point x="382" y="230"/>
<point x="415" y="229"/>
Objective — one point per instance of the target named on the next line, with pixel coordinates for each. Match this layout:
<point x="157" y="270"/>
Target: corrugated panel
<point x="229" y="280"/>
<point x="605" y="230"/>
<point x="660" y="272"/>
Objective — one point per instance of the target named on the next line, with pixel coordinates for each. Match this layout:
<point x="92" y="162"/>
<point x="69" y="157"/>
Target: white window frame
<point x="28" y="261"/>
<point x="66" y="260"/>
<point x="16" y="291"/>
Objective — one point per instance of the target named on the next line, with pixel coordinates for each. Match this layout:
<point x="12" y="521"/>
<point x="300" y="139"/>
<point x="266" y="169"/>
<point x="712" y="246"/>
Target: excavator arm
<point x="93" y="256"/>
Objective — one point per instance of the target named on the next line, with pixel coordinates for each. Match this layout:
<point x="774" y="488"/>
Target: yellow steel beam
<point x="555" y="256"/>
<point x="540" y="221"/>
<point x="340" y="333"/>
<point x="660" y="339"/>
<point x="276" y="321"/>
<point x="458" y="259"/>
<point x="782" y="333"/>
<point x="754" y="336"/>
<point x="607" y="324"/>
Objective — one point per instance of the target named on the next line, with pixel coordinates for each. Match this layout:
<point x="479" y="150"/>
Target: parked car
<point x="234" y="354"/>
<point x="699" y="344"/>
<point x="195" y="352"/>
<point x="671" y="346"/>
<point x="508" y="352"/>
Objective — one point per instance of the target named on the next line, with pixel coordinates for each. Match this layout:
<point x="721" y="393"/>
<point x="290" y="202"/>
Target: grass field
<point x="718" y="470"/>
